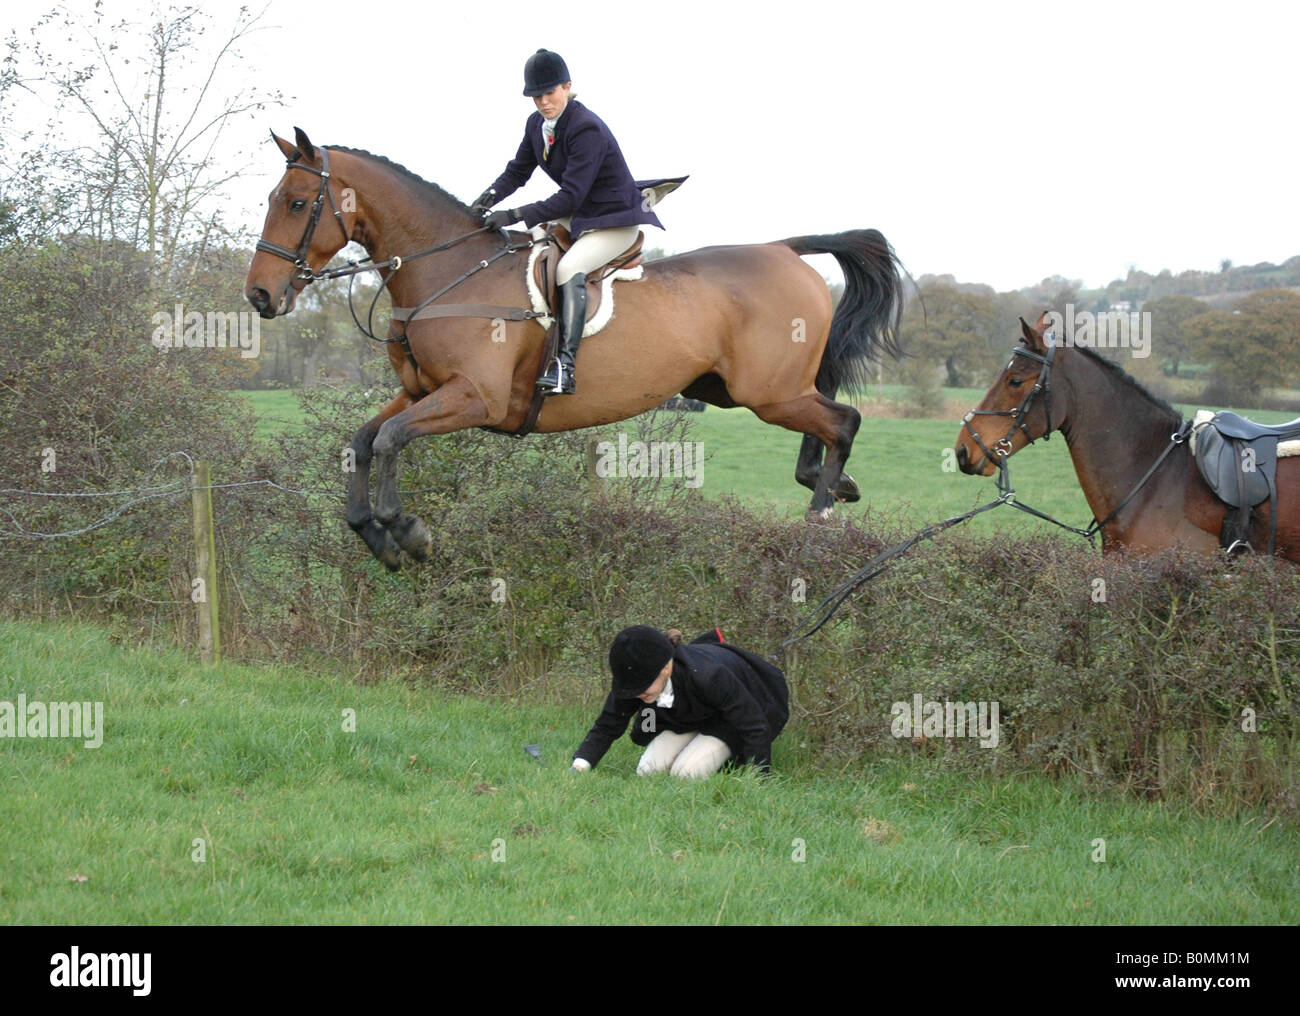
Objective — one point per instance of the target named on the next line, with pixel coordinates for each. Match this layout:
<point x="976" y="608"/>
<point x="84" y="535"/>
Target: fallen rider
<point x="696" y="706"/>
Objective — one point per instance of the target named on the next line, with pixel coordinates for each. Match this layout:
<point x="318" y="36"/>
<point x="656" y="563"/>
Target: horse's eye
<point x="1015" y="382"/>
<point x="298" y="205"/>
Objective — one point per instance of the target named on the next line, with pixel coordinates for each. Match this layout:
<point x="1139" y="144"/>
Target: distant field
<point x="898" y="463"/>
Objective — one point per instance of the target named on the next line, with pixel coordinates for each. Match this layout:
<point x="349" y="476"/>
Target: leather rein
<point x="816" y="618"/>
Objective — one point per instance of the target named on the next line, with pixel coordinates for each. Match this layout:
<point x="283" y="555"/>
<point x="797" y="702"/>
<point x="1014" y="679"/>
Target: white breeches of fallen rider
<point x="691" y="755"/>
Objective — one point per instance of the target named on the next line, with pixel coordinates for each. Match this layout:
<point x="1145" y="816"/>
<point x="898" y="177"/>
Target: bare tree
<point x="159" y="98"/>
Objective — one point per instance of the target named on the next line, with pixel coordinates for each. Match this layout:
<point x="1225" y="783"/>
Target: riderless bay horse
<point x="734" y="326"/>
<point x="1129" y="450"/>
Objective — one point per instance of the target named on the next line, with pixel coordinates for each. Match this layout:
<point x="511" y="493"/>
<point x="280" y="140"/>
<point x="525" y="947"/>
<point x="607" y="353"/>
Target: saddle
<point x="544" y="263"/>
<point x="1237" y="458"/>
<point x="542" y="290"/>
<point x="626" y="266"/>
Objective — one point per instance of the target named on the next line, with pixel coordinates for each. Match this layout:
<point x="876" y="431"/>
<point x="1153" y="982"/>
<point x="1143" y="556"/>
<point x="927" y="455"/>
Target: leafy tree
<point x="957" y="328"/>
<point x="1251" y="347"/>
<point x="1170" y="342"/>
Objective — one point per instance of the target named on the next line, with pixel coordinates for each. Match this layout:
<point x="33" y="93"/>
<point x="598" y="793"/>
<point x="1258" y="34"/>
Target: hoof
<point x="413" y="536"/>
<point x="847" y="489"/>
<point x="381" y="544"/>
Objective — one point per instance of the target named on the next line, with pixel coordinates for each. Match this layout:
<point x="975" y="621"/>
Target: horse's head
<point x="1017" y="409"/>
<point x="304" y="228"/>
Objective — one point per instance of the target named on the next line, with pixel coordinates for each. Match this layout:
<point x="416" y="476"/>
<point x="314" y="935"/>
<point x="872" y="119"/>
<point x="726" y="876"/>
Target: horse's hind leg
<point x="359" y="514"/>
<point x="808" y="468"/>
<point x="822" y="422"/>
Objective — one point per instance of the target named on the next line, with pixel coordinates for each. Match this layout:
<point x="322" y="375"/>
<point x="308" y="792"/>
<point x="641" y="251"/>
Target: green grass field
<point x="234" y="795"/>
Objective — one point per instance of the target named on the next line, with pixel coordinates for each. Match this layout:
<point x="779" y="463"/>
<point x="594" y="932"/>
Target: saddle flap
<point x="563" y="238"/>
<point x="1239" y="472"/>
<point x="545" y="266"/>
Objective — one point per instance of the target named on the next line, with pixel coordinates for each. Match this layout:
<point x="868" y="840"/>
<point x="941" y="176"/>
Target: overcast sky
<point x="1000" y="142"/>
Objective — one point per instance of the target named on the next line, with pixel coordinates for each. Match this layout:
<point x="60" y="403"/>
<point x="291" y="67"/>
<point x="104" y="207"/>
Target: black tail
<point x="867" y="319"/>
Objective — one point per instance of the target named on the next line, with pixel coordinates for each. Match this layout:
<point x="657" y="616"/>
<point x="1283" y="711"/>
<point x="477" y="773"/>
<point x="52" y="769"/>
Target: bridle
<point x="305" y="276"/>
<point x="386" y="268"/>
<point x="299" y="256"/>
<point x="1002" y="449"/>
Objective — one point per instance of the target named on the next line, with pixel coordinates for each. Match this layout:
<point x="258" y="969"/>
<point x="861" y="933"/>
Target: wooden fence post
<point x="205" y="565"/>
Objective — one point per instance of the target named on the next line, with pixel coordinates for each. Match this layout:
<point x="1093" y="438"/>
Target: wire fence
<point x="182" y="486"/>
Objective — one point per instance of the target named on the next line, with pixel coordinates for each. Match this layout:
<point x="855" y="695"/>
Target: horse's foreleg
<point x="824" y="422"/>
<point x="360" y="517"/>
<point x="455" y="405"/>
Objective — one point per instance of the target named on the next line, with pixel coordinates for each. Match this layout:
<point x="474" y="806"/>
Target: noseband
<point x="1002" y="448"/>
<point x="299" y="256"/>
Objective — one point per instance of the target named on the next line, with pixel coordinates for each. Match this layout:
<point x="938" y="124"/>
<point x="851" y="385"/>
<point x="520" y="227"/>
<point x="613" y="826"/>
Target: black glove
<point x="501" y="219"/>
<point x="484" y="202"/>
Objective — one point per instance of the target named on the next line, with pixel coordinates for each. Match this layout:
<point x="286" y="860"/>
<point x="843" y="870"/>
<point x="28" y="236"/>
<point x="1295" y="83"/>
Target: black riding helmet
<point x="543" y="71"/>
<point x="636" y="657"/>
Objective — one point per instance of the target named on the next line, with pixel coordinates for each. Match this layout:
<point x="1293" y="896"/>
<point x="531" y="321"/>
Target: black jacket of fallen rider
<point x="718" y="689"/>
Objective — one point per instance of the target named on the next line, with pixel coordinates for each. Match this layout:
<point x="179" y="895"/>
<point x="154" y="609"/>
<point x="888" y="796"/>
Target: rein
<point x="1002" y="448"/>
<point x="824" y="611"/>
<point x="422" y="309"/>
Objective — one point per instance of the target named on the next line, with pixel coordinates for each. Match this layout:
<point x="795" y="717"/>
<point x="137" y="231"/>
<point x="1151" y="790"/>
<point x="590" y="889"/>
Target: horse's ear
<point x="304" y="144"/>
<point x="1044" y="322"/>
<point x="1033" y="337"/>
<point x="290" y="153"/>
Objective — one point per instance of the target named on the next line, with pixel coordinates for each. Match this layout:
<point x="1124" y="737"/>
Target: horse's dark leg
<point x="808" y="469"/>
<point x="833" y="425"/>
<point x="359" y="515"/>
<point x="454" y="406"/>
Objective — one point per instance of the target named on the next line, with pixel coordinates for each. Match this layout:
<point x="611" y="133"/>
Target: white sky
<point x="1000" y="142"/>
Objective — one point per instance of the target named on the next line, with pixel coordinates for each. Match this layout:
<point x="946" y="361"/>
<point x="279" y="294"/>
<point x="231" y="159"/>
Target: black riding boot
<point x="559" y="379"/>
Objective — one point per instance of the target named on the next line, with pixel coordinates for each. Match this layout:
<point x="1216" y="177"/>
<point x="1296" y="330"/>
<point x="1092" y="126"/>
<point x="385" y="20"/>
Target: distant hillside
<point x="1218" y="289"/>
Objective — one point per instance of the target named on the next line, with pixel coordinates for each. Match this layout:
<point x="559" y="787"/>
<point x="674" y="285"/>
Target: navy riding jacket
<point x="596" y="188"/>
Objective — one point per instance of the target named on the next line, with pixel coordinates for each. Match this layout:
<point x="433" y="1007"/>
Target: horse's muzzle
<point x="970" y="468"/>
<point x="269" y="308"/>
<point x="261" y="301"/>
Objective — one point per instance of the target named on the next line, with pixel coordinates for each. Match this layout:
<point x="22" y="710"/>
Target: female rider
<point x="598" y="201"/>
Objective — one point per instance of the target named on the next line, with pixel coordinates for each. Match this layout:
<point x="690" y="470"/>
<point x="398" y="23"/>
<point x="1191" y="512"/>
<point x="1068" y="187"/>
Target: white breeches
<point x="693" y="755"/>
<point x="594" y="248"/>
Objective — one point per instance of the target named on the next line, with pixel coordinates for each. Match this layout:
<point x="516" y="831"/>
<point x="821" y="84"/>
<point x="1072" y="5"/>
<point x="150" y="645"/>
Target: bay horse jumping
<point x="733" y="326"/>
<point x="1140" y="480"/>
